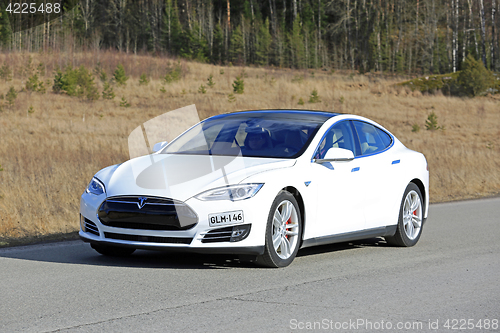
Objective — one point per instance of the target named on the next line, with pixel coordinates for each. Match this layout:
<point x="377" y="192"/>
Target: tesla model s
<point x="262" y="185"/>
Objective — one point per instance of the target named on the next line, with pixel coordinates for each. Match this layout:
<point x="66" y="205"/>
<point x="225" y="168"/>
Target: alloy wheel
<point x="412" y="215"/>
<point x="285" y="229"/>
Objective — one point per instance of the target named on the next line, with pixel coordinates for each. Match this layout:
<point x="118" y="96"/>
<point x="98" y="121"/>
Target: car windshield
<point x="272" y="135"/>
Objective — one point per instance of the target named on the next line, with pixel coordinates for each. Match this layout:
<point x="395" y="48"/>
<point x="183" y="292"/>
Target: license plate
<point x="225" y="218"/>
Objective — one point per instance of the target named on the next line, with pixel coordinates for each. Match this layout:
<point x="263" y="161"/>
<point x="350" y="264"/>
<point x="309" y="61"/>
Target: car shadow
<point x="79" y="253"/>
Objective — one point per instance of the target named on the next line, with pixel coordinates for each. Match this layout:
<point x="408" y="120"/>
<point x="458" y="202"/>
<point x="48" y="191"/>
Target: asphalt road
<point x="452" y="276"/>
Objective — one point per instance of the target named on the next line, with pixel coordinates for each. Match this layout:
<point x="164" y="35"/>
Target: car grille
<point x="90" y="227"/>
<point x="218" y="235"/>
<point x="149" y="239"/>
<point x="146" y="213"/>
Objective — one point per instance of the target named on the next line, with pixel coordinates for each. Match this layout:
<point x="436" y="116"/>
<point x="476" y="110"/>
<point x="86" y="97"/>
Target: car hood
<point x="180" y="176"/>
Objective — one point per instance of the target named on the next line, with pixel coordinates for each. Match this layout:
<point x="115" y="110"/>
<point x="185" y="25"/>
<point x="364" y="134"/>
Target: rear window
<point x="371" y="138"/>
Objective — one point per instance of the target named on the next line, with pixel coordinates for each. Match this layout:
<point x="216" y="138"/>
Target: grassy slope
<point x="49" y="156"/>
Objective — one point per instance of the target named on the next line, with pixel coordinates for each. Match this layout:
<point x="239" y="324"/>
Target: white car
<point x="261" y="184"/>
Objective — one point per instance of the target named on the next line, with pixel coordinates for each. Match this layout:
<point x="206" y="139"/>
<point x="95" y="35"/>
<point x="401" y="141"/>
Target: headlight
<point x="95" y="187"/>
<point x="233" y="192"/>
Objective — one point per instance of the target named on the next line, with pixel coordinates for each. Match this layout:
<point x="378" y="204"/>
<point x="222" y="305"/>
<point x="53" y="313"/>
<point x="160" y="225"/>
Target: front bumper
<point x="249" y="250"/>
<point x="191" y="240"/>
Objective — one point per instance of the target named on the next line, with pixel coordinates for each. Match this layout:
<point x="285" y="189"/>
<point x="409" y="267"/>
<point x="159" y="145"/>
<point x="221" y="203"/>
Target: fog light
<point x="240" y="232"/>
<point x="82" y="223"/>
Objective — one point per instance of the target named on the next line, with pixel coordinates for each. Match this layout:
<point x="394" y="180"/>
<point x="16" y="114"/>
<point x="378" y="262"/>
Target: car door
<point x="338" y="186"/>
<point x="378" y="166"/>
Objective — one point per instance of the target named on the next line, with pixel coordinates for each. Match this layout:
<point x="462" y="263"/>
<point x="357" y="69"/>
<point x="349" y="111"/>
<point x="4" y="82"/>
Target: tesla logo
<point x="142" y="202"/>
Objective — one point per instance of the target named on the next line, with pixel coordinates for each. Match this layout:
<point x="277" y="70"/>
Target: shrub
<point x="474" y="79"/>
<point x="238" y="85"/>
<point x="28" y="70"/>
<point x="100" y="73"/>
<point x="103" y="76"/>
<point x="231" y="98"/>
<point x="34" y="84"/>
<point x="124" y="103"/>
<point x="59" y="82"/>
<point x="119" y="75"/>
<point x="6" y="73"/>
<point x="143" y="81"/>
<point x="211" y="82"/>
<point x="11" y="96"/>
<point x="174" y="73"/>
<point x="75" y="82"/>
<point x="108" y="92"/>
<point x="415" y="128"/>
<point x="431" y="123"/>
<point x="1" y="102"/>
<point x="41" y="69"/>
<point x="202" y="89"/>
<point x="447" y="83"/>
<point x="301" y="101"/>
<point x="314" y="98"/>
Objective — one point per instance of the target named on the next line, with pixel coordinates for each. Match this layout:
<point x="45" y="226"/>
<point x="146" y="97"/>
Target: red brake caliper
<point x="288" y="222"/>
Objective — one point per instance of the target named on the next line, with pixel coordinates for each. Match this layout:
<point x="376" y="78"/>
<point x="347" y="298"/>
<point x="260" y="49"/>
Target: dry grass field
<point x="48" y="155"/>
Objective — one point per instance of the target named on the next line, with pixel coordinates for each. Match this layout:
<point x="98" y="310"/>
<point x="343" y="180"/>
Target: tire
<point x="113" y="251"/>
<point x="283" y="232"/>
<point x="410" y="220"/>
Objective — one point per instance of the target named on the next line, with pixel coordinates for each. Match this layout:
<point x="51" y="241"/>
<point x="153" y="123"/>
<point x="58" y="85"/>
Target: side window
<point x="371" y="138"/>
<point x="339" y="136"/>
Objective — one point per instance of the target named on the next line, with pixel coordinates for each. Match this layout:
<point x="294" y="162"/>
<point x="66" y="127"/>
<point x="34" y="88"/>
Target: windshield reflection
<point x="250" y="136"/>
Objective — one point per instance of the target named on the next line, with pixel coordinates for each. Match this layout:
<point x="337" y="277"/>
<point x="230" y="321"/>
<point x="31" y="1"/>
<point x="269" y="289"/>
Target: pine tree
<point x="211" y="82"/>
<point x="5" y="30"/>
<point x="119" y="75"/>
<point x="11" y="96"/>
<point x="108" y="92"/>
<point x="239" y="85"/>
<point x="237" y="44"/>
<point x="474" y="79"/>
<point x="218" y="45"/>
<point x="178" y="41"/>
<point x="431" y="124"/>
<point x="263" y="44"/>
<point x="314" y="98"/>
<point x="143" y="80"/>
<point x="297" y="45"/>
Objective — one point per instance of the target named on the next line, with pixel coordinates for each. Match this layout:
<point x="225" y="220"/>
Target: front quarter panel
<point x="295" y="177"/>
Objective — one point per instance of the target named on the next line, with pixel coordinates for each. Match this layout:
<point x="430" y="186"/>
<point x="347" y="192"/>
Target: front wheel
<point x="410" y="221"/>
<point x="283" y="232"/>
<point x="112" y="251"/>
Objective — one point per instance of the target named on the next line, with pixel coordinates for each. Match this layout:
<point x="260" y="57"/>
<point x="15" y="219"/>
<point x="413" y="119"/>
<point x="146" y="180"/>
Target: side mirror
<point x="159" y="146"/>
<point x="336" y="155"/>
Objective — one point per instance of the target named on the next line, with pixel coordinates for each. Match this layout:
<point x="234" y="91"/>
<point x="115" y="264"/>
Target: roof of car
<point x="305" y="115"/>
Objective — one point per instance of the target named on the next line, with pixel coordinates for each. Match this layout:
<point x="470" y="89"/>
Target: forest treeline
<point x="396" y="36"/>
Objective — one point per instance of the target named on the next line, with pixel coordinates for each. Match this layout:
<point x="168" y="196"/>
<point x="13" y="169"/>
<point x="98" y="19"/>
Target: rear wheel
<point x="113" y="251"/>
<point x="410" y="220"/>
<point x="283" y="232"/>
